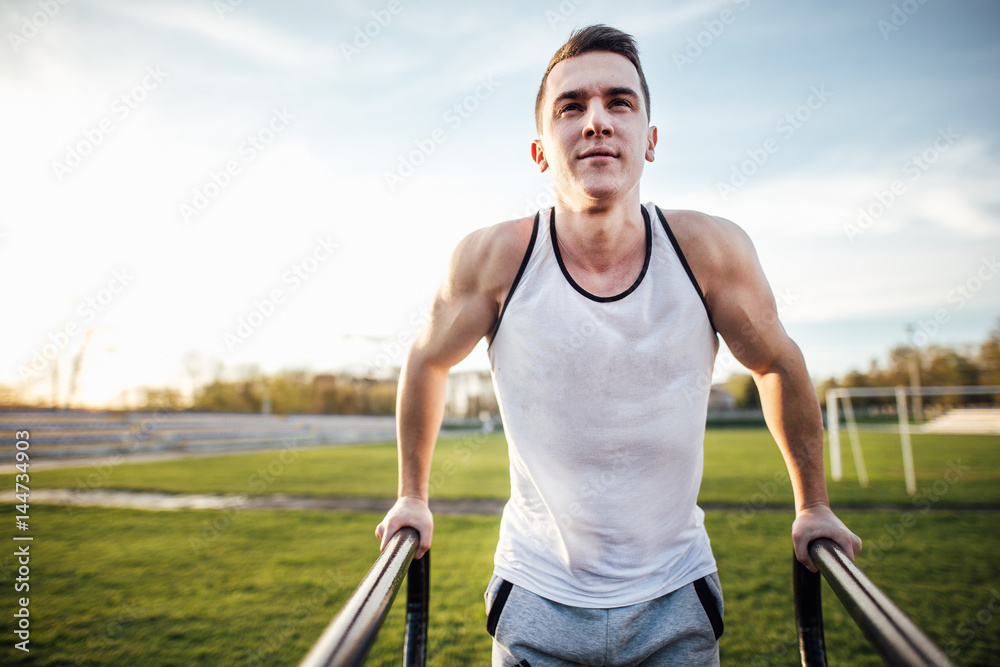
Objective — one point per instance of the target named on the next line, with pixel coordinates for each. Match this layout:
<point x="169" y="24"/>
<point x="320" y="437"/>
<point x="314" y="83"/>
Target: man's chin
<point x="601" y="190"/>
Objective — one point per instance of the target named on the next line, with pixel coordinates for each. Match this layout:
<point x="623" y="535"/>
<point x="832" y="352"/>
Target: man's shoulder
<point x="496" y="244"/>
<point x="491" y="256"/>
<point x="688" y="223"/>
<point x="711" y="244"/>
<point x="707" y="232"/>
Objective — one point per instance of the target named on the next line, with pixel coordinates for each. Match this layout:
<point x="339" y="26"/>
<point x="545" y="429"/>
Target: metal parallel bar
<point x="808" y="614"/>
<point x="897" y="639"/>
<point x="350" y="636"/>
<point x="418" y="594"/>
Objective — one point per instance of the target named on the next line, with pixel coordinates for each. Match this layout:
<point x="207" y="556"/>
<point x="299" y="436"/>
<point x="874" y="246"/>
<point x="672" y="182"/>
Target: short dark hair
<point x="594" y="38"/>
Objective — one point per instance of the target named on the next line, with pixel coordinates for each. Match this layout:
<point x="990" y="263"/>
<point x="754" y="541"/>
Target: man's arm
<point x="745" y="314"/>
<point x="464" y="311"/>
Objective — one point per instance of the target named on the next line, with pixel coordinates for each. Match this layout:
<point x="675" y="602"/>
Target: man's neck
<point x="600" y="236"/>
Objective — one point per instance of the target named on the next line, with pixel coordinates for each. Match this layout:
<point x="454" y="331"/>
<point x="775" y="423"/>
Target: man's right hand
<point x="408" y="511"/>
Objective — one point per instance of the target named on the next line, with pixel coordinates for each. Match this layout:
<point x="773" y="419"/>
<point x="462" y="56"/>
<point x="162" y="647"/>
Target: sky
<point x="206" y="184"/>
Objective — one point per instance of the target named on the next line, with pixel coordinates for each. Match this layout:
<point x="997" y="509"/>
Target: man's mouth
<point x="597" y="153"/>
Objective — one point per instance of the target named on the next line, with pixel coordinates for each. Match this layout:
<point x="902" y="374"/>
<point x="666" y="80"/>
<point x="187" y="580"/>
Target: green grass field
<point x="742" y="467"/>
<point x="112" y="587"/>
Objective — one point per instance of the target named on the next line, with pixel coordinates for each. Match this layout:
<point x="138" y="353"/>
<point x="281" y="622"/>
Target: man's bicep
<point x="456" y="325"/>
<point x="745" y="312"/>
<point x="463" y="311"/>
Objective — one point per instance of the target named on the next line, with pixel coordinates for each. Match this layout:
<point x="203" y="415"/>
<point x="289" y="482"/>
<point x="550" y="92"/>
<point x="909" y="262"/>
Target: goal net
<point x="983" y="417"/>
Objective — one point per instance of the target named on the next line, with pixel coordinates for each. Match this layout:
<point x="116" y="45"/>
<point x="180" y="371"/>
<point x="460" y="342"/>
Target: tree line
<point x="287" y="392"/>
<point x="932" y="366"/>
<point x="305" y="392"/>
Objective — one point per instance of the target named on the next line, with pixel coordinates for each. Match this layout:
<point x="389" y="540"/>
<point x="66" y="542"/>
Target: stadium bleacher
<point x="74" y="433"/>
<point x="971" y="421"/>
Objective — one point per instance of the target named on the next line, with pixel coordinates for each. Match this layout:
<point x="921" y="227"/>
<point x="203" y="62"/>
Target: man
<point x="602" y="317"/>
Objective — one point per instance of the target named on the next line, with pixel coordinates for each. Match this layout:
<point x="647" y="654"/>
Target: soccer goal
<point x="980" y="420"/>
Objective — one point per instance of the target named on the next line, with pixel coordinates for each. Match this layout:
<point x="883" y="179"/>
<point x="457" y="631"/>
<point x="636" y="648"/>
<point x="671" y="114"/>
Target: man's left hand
<point x="820" y="521"/>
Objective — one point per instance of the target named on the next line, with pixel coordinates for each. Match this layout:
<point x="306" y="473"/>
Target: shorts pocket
<point x="496" y="607"/>
<point x="710" y="605"/>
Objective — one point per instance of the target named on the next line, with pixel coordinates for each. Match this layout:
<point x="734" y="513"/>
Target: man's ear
<point x="538" y="155"/>
<point x="651" y="143"/>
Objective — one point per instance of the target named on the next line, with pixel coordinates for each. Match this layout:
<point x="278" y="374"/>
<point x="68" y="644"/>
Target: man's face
<point x="595" y="132"/>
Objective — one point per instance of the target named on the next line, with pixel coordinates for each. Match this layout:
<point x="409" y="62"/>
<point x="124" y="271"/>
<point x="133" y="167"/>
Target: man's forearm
<point x="419" y="410"/>
<point x="793" y="416"/>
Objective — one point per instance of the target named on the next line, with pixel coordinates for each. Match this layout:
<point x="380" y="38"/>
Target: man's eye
<point x="570" y="107"/>
<point x="622" y="103"/>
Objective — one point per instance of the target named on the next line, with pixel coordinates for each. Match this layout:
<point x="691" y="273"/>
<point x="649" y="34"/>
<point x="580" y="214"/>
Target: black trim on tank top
<point x="517" y="278"/>
<point x="594" y="297"/>
<point x="684" y="263"/>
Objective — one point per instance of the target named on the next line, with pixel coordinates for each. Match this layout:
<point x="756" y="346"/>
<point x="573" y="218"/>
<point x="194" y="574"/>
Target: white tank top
<point x="603" y="402"/>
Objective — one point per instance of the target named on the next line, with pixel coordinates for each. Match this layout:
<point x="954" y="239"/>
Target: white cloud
<point x="239" y="32"/>
<point x="325" y="174"/>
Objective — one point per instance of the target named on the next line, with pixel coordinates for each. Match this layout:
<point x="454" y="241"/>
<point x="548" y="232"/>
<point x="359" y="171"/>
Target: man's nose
<point x="598" y="122"/>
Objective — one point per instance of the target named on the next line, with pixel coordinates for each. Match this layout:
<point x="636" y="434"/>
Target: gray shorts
<point x="680" y="628"/>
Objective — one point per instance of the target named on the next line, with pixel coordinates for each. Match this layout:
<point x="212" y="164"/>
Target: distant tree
<point x="383" y="398"/>
<point x="290" y="393"/>
<point x="12" y="397"/>
<point x="856" y="379"/>
<point x="947" y="367"/>
<point x="744" y="390"/>
<point x="223" y="396"/>
<point x="823" y="387"/>
<point x="163" y="399"/>
<point x="898" y="372"/>
<point x="194" y="366"/>
<point x="936" y="365"/>
<point x="989" y="359"/>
